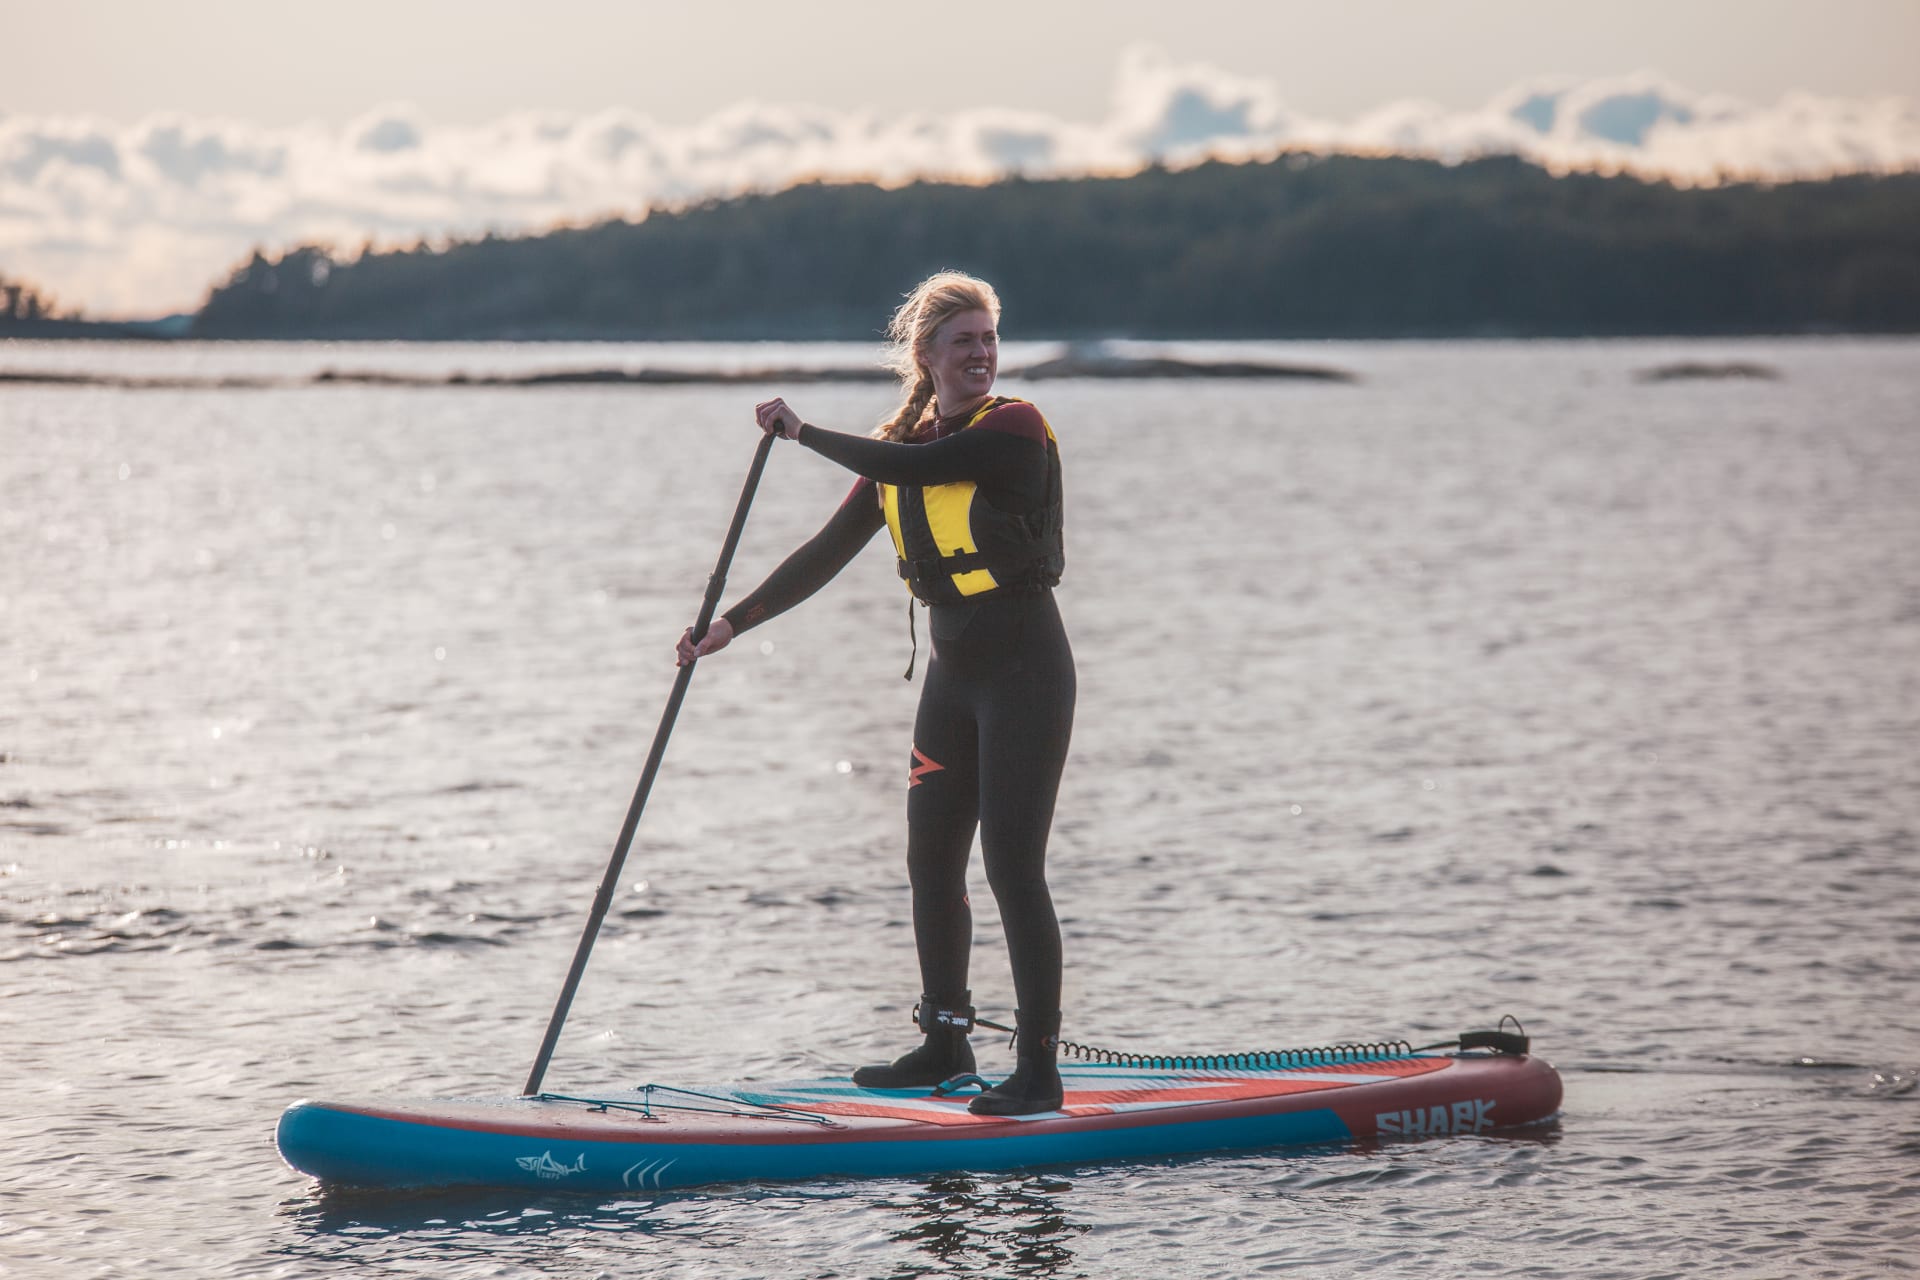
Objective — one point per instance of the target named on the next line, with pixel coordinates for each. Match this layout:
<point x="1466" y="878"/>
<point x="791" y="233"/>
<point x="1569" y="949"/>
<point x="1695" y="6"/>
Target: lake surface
<point x="1499" y="681"/>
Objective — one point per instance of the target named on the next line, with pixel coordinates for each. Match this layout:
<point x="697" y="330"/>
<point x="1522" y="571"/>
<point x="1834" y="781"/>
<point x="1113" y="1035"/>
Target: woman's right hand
<point x="719" y="636"/>
<point x="776" y="417"/>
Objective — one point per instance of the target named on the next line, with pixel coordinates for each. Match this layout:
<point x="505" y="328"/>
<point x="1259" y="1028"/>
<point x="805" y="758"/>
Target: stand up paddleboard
<point x="1116" y="1107"/>
<point x="660" y="1138"/>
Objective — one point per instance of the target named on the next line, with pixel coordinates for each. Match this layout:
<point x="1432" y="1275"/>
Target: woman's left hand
<point x="719" y="636"/>
<point x="776" y="418"/>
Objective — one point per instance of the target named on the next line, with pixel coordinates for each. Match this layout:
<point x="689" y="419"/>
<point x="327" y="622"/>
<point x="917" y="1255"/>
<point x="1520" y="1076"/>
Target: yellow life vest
<point x="954" y="545"/>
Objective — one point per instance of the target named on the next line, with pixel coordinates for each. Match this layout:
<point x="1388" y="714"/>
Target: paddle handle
<point x="610" y="883"/>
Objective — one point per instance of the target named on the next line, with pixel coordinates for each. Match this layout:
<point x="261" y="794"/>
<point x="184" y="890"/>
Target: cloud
<point x="1172" y="111"/>
<point x="141" y="218"/>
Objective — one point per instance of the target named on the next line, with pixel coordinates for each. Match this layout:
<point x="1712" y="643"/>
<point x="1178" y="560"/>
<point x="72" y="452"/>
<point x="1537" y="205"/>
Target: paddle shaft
<point x="609" y="884"/>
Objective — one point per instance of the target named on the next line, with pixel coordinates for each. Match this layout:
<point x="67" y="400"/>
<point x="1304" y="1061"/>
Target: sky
<point x="146" y="149"/>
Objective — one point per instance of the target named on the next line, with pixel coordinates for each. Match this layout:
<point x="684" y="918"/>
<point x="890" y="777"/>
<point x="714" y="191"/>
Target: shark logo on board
<point x="545" y="1166"/>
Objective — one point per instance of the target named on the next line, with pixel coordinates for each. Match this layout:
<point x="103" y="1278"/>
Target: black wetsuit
<point x="996" y="708"/>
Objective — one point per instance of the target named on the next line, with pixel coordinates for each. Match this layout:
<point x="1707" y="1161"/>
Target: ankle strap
<point x="933" y="1014"/>
<point x="1042" y="1030"/>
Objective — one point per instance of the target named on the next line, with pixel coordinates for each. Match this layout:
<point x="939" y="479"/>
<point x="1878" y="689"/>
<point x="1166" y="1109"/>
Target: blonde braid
<point x="912" y="413"/>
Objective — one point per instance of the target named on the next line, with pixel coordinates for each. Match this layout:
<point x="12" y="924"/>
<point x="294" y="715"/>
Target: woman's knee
<point x="1018" y="875"/>
<point x="938" y="867"/>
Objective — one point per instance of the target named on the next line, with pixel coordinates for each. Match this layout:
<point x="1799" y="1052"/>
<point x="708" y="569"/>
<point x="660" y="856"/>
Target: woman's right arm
<point x="801" y="574"/>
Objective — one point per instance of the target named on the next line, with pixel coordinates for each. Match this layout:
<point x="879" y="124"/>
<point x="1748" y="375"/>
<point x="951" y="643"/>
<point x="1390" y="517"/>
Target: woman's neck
<point x="964" y="407"/>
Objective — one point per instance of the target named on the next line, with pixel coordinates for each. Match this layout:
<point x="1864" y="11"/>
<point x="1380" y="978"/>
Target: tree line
<point x="23" y="304"/>
<point x="1301" y="246"/>
<point x="28" y="311"/>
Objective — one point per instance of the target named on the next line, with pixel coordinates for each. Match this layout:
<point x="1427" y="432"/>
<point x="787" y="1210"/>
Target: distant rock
<point x="675" y="377"/>
<point x="129" y="382"/>
<point x="1077" y="362"/>
<point x="1095" y="361"/>
<point x="1704" y="370"/>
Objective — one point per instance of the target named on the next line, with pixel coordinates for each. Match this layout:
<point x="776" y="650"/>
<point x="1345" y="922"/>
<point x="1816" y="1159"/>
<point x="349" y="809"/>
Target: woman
<point x="968" y="485"/>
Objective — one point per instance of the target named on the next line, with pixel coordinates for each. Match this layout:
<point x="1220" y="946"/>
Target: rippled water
<point x="1499" y="681"/>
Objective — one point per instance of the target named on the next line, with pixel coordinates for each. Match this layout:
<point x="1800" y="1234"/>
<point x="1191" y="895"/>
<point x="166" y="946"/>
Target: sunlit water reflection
<point x="1496" y="682"/>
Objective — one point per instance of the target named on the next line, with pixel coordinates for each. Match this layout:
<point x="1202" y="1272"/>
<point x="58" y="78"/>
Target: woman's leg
<point x="943" y="808"/>
<point x="1025" y="728"/>
<point x="942" y="812"/>
<point x="1026" y="723"/>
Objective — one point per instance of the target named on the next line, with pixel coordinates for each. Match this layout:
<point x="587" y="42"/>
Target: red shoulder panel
<point x="1019" y="419"/>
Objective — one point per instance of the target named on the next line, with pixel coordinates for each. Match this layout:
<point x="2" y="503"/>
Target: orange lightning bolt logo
<point x="923" y="764"/>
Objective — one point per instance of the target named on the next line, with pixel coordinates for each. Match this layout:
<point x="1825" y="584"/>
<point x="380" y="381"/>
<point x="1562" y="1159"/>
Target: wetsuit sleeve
<point x="998" y="459"/>
<point x="816" y="562"/>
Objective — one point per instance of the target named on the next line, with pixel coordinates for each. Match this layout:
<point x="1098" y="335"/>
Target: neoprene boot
<point x="943" y="1054"/>
<point x="1035" y="1082"/>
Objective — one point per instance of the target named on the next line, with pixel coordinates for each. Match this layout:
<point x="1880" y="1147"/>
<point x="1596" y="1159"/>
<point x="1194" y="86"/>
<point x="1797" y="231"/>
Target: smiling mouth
<point x="975" y="369"/>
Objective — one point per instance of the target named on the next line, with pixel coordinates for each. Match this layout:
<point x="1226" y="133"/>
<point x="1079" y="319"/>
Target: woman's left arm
<point x="1006" y="450"/>
<point x="993" y="458"/>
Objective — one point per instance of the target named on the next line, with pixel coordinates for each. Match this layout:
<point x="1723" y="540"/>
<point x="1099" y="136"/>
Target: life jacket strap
<point x="958" y="562"/>
<point x="913" y="637"/>
<point x="942" y="568"/>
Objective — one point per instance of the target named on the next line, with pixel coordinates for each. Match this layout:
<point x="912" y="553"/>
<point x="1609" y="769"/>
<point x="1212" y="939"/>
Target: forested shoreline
<point x="1301" y="246"/>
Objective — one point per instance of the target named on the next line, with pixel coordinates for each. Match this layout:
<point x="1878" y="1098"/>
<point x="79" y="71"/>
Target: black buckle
<point x="957" y="563"/>
<point x="1498" y="1041"/>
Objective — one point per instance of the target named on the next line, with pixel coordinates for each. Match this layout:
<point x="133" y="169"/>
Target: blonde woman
<point x="968" y="485"/>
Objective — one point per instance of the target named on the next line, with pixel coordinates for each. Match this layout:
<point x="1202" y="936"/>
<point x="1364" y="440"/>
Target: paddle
<point x="603" y="898"/>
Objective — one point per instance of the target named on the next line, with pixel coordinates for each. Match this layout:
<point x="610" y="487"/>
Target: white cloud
<point x="1173" y="111"/>
<point x="141" y="218"/>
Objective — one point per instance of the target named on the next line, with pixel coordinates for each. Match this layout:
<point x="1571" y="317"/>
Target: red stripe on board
<point x="1099" y="1100"/>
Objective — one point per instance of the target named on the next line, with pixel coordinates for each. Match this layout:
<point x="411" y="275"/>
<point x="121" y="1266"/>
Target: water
<point x="1498" y="682"/>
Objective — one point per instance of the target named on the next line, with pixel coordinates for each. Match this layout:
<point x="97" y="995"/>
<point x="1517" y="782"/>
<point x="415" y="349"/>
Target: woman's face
<point x="963" y="358"/>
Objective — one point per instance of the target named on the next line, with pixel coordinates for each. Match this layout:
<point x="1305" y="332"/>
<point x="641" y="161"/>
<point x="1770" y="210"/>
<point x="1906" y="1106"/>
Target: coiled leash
<point x="1499" y="1041"/>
